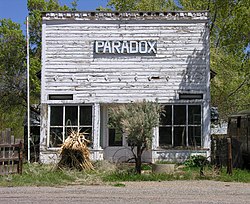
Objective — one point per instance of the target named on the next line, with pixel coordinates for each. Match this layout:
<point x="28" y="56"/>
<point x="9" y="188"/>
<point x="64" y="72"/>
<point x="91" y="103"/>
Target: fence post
<point x="229" y="157"/>
<point x="20" y="158"/>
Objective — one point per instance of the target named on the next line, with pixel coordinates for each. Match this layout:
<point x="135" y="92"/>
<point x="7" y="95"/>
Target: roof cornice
<point x="140" y="15"/>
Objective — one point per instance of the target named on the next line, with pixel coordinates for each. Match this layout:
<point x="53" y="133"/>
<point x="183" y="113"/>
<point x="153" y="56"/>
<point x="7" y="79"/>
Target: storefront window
<point x="65" y="119"/>
<point x="180" y="126"/>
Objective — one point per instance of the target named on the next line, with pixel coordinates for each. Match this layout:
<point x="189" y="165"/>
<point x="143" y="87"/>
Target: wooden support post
<point x="20" y="157"/>
<point x="229" y="156"/>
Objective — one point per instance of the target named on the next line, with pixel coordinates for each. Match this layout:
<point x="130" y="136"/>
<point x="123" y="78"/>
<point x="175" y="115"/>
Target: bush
<point x="196" y="161"/>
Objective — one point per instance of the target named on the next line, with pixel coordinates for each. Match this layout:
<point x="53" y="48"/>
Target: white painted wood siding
<point x="71" y="67"/>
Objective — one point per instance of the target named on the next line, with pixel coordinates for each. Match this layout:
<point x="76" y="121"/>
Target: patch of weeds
<point x="119" y="185"/>
<point x="146" y="167"/>
<point x="40" y="175"/>
<point x="164" y="162"/>
<point x="125" y="176"/>
<point x="238" y="175"/>
<point x="43" y="175"/>
<point x="196" y="161"/>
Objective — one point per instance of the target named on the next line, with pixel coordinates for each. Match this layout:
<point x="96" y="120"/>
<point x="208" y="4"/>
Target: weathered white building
<point x="91" y="60"/>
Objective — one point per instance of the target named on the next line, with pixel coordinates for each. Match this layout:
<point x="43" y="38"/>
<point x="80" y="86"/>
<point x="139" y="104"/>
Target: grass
<point x="237" y="176"/>
<point x="106" y="173"/>
<point x="187" y="173"/>
<point x="119" y="185"/>
<point x="49" y="175"/>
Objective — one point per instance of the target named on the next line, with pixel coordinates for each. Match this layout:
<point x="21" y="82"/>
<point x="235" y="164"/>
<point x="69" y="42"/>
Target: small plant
<point x="196" y="161"/>
<point x="146" y="167"/>
<point x="137" y="120"/>
<point x="164" y="162"/>
<point x="119" y="185"/>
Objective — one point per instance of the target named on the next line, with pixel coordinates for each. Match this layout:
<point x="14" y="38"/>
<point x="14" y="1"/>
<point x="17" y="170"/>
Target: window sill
<point x="182" y="148"/>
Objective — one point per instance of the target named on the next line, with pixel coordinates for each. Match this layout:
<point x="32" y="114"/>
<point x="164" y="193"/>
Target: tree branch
<point x="239" y="87"/>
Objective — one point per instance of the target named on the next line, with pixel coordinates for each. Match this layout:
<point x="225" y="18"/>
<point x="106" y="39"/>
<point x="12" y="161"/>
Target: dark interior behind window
<point x="56" y="116"/>
<point x="179" y="115"/>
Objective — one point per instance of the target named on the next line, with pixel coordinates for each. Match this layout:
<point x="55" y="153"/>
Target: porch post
<point x="97" y="150"/>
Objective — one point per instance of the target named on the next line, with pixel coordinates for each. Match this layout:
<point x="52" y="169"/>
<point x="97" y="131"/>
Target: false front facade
<point x="94" y="60"/>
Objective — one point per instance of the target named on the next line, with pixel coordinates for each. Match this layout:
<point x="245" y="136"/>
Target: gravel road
<point x="133" y="192"/>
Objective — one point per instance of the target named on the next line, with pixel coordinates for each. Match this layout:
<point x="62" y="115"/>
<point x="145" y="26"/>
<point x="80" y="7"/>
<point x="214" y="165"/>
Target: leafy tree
<point x="137" y="121"/>
<point x="142" y="5"/>
<point x="35" y="7"/>
<point x="12" y="73"/>
<point x="230" y="40"/>
<point x="13" y="64"/>
<point x="74" y="5"/>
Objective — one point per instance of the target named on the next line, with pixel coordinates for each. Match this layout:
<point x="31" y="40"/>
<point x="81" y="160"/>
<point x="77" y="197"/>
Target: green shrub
<point x="196" y="161"/>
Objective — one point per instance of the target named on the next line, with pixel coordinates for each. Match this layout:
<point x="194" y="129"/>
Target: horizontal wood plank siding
<point x="71" y="67"/>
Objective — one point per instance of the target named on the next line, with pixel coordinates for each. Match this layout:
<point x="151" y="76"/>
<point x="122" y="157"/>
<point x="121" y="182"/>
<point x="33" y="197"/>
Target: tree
<point x="142" y="5"/>
<point x="13" y="64"/>
<point x="12" y="74"/>
<point x="136" y="121"/>
<point x="230" y="40"/>
<point x="35" y="7"/>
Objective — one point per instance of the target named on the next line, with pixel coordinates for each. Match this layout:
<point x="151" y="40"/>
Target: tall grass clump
<point x="75" y="152"/>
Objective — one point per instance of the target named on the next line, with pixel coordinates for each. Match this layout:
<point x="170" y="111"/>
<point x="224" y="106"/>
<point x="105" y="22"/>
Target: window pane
<point x="194" y="136"/>
<point x="86" y="115"/>
<point x="71" y="115"/>
<point x="56" y="137"/>
<point x="179" y="115"/>
<point x="56" y="116"/>
<point x="165" y="136"/>
<point x="179" y="136"/>
<point x="69" y="130"/>
<point x="115" y="137"/>
<point x="88" y="134"/>
<point x="166" y="116"/>
<point x="194" y="115"/>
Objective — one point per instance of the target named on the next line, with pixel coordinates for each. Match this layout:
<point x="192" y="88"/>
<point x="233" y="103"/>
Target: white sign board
<point x="125" y="47"/>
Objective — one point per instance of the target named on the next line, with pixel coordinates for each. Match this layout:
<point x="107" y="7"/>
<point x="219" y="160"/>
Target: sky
<point x="16" y="10"/>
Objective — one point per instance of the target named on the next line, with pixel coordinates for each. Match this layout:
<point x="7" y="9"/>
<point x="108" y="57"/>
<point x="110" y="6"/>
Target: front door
<point x="114" y="142"/>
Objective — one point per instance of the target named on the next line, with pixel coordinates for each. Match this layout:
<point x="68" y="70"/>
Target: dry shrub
<point x="75" y="152"/>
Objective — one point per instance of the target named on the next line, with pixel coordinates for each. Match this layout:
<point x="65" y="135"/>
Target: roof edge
<point x="133" y="15"/>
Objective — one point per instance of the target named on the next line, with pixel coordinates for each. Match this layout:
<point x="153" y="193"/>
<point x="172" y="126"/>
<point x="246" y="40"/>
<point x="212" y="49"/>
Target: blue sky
<point x="16" y="10"/>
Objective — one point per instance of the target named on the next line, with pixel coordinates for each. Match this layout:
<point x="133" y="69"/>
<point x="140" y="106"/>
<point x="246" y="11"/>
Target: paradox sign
<point x="125" y="47"/>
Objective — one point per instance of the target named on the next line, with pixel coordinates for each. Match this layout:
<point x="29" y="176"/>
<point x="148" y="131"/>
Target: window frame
<point x="64" y="125"/>
<point x="186" y="125"/>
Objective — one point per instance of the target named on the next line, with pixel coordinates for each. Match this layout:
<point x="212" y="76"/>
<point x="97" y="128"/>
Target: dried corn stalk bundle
<point x="75" y="152"/>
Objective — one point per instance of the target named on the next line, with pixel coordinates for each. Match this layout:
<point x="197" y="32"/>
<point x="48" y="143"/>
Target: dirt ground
<point x="133" y="192"/>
